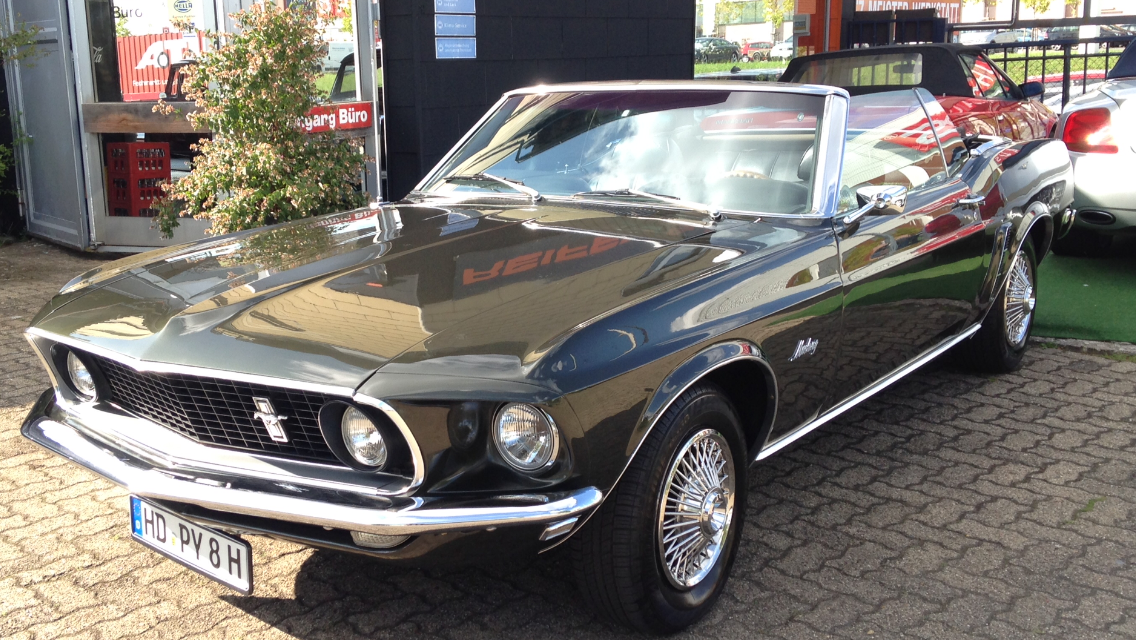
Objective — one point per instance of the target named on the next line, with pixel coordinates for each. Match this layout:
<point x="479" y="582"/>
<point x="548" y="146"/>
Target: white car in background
<point x="1099" y="128"/>
<point x="782" y="51"/>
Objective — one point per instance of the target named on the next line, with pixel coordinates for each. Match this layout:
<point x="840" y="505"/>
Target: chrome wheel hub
<point x="1021" y="299"/>
<point x="696" y="509"/>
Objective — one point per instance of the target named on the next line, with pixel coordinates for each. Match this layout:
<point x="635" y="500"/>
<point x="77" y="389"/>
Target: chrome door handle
<point x="972" y="201"/>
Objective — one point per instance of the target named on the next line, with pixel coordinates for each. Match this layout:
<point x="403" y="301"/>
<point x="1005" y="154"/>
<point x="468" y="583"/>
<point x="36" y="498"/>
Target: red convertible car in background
<point x="976" y="94"/>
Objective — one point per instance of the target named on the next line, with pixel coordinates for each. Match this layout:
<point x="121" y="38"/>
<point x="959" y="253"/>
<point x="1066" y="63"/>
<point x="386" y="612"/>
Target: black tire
<point x="733" y="57"/>
<point x="1082" y="243"/>
<point x="992" y="349"/>
<point x="617" y="554"/>
<point x="746" y="58"/>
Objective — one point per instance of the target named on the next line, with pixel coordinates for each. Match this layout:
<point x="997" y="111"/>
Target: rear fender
<point x="1025" y="174"/>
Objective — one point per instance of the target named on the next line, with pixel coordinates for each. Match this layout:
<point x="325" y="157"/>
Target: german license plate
<point x="226" y="559"/>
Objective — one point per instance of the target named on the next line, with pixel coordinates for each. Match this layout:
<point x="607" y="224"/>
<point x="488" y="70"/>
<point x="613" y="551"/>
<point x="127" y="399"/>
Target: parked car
<point x="343" y="87"/>
<point x="976" y="94"/>
<point x="716" y="50"/>
<point x="335" y="52"/>
<point x="755" y="51"/>
<point x="1062" y="34"/>
<point x="782" y="51"/>
<point x="1009" y="36"/>
<point x="586" y="324"/>
<point x="1099" y="128"/>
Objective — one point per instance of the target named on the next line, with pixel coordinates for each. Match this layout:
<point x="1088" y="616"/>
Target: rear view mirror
<point x="1033" y="89"/>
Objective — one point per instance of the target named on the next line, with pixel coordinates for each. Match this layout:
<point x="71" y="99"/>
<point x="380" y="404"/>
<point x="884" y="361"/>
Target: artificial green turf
<point x="1088" y="298"/>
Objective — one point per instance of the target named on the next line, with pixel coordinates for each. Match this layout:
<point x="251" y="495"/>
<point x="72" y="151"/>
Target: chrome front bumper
<point x="321" y="505"/>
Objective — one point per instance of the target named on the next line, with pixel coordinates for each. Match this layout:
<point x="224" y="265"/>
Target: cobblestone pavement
<point x="951" y="506"/>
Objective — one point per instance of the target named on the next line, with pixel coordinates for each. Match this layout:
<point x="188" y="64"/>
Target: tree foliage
<point x="776" y="11"/>
<point x="253" y="91"/>
<point x="1037" y="6"/>
<point x="16" y="43"/>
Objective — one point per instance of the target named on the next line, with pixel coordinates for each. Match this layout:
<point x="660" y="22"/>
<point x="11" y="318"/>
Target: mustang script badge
<point x="266" y="413"/>
<point x="805" y="347"/>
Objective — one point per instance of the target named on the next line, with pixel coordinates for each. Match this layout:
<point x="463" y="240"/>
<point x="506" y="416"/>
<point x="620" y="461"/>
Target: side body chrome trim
<point x="867" y="392"/>
<point x="377" y="516"/>
<point x="147" y="366"/>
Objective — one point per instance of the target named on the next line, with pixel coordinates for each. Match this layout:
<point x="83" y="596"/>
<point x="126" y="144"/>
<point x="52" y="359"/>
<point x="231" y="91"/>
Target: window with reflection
<point x="890" y="141"/>
<point x="749" y="151"/>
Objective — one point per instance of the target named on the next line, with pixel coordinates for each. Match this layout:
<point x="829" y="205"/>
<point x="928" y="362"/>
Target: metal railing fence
<point x="1067" y="68"/>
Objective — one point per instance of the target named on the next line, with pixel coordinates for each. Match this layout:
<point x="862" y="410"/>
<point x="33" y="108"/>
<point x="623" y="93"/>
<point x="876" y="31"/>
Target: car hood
<point x="331" y="299"/>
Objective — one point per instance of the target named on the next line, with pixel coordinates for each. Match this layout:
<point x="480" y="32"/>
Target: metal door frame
<point x="14" y="74"/>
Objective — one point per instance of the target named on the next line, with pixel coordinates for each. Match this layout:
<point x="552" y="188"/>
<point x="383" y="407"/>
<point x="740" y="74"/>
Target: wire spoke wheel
<point x="696" y="509"/>
<point x="1021" y="299"/>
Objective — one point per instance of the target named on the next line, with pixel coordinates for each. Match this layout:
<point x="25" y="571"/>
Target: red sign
<point x="144" y="61"/>
<point x="339" y="117"/>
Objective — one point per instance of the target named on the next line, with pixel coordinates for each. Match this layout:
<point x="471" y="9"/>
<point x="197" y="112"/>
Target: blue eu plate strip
<point x="136" y="515"/>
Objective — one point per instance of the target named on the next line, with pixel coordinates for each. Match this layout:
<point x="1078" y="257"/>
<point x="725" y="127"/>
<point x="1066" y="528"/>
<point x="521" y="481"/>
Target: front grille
<point x="220" y="412"/>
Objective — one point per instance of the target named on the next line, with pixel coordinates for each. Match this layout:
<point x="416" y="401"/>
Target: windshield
<point x="745" y="151"/>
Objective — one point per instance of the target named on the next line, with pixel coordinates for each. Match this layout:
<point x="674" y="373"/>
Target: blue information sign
<point x="451" y="25"/>
<point x="455" y="48"/>
<point x="455" y="6"/>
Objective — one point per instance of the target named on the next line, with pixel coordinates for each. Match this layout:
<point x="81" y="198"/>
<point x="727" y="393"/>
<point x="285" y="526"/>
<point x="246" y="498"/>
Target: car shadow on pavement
<point x="935" y="509"/>
<point x="343" y="595"/>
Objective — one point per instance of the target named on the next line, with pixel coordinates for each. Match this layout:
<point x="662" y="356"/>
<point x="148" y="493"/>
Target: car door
<point x="910" y="278"/>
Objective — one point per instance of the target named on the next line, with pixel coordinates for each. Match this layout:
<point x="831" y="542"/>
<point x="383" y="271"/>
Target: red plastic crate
<point x="135" y="173"/>
<point x="136" y="197"/>
<point x="139" y="159"/>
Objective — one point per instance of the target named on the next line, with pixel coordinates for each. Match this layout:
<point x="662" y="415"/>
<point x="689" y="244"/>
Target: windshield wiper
<point x="516" y="185"/>
<point x="671" y="200"/>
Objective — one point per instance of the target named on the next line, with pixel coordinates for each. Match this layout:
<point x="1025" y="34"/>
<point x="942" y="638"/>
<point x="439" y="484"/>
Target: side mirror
<point x="878" y="200"/>
<point x="1032" y="90"/>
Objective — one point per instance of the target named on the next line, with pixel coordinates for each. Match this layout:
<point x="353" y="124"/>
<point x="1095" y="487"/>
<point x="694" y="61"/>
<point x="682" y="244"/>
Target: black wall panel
<point x="431" y="103"/>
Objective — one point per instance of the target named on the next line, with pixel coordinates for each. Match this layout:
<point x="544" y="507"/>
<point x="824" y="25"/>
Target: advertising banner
<point x="949" y="9"/>
<point x="144" y="61"/>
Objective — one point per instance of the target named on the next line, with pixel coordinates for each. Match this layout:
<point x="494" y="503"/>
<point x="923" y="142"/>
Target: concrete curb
<point x="1089" y="346"/>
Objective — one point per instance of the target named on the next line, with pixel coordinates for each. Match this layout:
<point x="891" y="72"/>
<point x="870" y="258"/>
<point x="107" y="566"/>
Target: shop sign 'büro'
<point x="338" y="117"/>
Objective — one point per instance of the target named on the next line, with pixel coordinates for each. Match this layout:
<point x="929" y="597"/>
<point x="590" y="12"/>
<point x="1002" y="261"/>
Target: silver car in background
<point x="1099" y="128"/>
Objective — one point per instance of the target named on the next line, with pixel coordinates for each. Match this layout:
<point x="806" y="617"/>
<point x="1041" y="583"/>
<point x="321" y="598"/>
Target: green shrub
<point x="252" y="92"/>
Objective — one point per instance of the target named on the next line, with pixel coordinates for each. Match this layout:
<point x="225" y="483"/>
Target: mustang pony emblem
<point x="273" y="423"/>
<point x="806" y="347"/>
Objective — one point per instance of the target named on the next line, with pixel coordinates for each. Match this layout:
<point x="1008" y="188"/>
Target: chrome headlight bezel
<point x="550" y="452"/>
<point x="64" y="359"/>
<point x="332" y="427"/>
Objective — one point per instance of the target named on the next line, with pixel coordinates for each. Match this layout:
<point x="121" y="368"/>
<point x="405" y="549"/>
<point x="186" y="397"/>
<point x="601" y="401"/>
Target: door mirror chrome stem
<point x="889" y="199"/>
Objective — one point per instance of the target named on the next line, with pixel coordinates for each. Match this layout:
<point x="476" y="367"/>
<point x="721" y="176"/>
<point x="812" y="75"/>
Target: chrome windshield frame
<point x="826" y="176"/>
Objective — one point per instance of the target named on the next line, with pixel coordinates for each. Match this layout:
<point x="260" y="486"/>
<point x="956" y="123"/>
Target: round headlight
<point x="525" y="437"/>
<point x="81" y="377"/>
<point x="363" y="439"/>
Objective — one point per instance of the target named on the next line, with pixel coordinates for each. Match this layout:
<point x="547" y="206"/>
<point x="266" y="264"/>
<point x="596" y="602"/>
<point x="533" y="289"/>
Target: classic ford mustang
<point x="585" y="325"/>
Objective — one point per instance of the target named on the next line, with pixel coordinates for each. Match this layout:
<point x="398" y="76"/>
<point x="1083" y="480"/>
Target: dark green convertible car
<point x="605" y="304"/>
